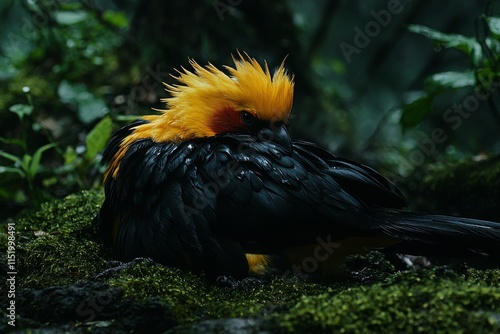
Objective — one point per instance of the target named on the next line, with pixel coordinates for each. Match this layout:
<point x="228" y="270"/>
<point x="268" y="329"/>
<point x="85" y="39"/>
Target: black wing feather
<point x="358" y="179"/>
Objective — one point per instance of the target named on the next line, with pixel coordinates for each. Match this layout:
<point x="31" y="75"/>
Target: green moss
<point x="411" y="302"/>
<point x="472" y="173"/>
<point x="72" y="214"/>
<point x="192" y="297"/>
<point x="59" y="259"/>
<point x="469" y="187"/>
<point x="58" y="245"/>
<point x="180" y="290"/>
<point x="368" y="268"/>
<point x="489" y="277"/>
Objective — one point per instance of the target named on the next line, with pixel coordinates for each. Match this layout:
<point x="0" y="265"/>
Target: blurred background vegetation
<point x="400" y="85"/>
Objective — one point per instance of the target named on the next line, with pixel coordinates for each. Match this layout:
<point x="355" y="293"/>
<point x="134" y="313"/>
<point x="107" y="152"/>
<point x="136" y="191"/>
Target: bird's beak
<point x="277" y="133"/>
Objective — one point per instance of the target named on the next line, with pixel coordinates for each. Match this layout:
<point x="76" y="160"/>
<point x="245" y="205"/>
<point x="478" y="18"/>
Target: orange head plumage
<point x="207" y="102"/>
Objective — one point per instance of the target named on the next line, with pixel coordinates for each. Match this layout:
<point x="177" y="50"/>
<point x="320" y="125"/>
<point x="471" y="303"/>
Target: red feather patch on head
<point x="226" y="119"/>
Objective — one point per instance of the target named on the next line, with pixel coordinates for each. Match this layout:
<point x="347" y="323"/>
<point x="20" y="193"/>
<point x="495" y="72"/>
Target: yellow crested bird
<point x="215" y="183"/>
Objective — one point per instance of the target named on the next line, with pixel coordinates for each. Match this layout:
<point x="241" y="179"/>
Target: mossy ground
<point x="59" y="255"/>
<point x="469" y="188"/>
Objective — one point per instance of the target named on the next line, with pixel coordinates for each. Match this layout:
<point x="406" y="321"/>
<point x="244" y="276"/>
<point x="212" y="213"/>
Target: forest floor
<point x="57" y="287"/>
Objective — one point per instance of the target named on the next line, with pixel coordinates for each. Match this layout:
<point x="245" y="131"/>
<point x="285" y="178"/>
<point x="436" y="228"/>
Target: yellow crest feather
<point x="201" y="94"/>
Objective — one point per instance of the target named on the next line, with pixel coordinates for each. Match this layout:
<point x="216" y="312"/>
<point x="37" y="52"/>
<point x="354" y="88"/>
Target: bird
<point x="214" y="183"/>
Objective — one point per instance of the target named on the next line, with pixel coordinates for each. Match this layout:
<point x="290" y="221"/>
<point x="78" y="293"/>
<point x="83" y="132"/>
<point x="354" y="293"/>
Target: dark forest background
<point x="399" y="85"/>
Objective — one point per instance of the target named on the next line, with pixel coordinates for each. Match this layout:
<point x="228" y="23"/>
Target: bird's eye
<point x="247" y="118"/>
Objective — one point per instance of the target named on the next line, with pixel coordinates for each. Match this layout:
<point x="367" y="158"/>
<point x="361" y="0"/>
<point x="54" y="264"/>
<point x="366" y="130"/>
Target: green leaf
<point x="4" y="169"/>
<point x="445" y="80"/>
<point x="63" y="5"/>
<point x="90" y="107"/>
<point x="35" y="161"/>
<point x="21" y="110"/>
<point x="10" y="157"/>
<point x="69" y="18"/>
<point x="98" y="138"/>
<point x="118" y="19"/>
<point x="7" y="68"/>
<point x="69" y="93"/>
<point x="127" y="118"/>
<point x="468" y="45"/>
<point x="494" y="25"/>
<point x="50" y="181"/>
<point x="12" y="141"/>
<point x="25" y="163"/>
<point x="494" y="45"/>
<point x="486" y="78"/>
<point x="415" y="112"/>
<point x="70" y="156"/>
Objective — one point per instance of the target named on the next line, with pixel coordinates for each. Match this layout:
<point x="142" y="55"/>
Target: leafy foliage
<point x="47" y="55"/>
<point x="27" y="167"/>
<point x="484" y="57"/>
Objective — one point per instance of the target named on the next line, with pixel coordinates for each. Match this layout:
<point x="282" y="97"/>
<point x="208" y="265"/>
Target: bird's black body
<point x="204" y="203"/>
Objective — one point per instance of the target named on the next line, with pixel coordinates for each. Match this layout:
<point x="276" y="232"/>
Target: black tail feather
<point x="439" y="235"/>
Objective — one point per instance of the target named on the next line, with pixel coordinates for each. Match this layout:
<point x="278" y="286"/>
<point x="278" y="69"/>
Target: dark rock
<point x="86" y="301"/>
